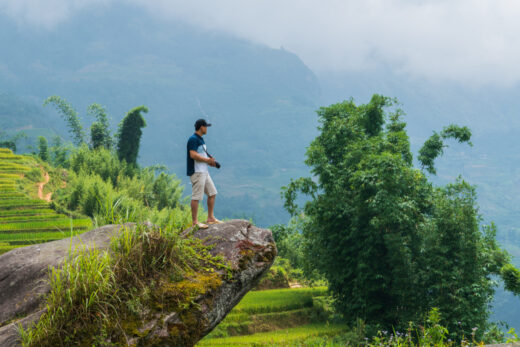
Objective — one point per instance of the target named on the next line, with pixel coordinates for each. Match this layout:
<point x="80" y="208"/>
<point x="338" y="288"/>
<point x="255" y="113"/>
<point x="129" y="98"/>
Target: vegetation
<point x="101" y="294"/>
<point x="98" y="182"/>
<point x="71" y="116"/>
<point x="99" y="130"/>
<point x="268" y="316"/>
<point x="25" y="220"/>
<point x="129" y="135"/>
<point x="390" y="245"/>
<point x="43" y="148"/>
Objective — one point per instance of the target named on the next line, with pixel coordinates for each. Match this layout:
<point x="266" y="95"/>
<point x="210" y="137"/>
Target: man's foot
<point x="214" y="221"/>
<point x="201" y="225"/>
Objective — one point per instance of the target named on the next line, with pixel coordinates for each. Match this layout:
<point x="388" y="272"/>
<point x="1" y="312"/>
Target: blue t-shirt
<point x="195" y="143"/>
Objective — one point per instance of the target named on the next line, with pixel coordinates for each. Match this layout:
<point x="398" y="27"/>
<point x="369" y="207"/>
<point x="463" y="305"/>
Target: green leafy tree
<point x="434" y="146"/>
<point x="390" y="244"/>
<point x="43" y="148"/>
<point x="71" y="117"/>
<point x="99" y="130"/>
<point x="59" y="153"/>
<point x="129" y="135"/>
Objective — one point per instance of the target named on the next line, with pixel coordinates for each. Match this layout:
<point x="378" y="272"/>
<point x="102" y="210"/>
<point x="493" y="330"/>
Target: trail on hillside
<point x="46" y="179"/>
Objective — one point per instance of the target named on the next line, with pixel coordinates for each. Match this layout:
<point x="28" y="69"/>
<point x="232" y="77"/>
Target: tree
<point x="59" y="153"/>
<point x="99" y="130"/>
<point x="12" y="141"/>
<point x="43" y="148"/>
<point x="129" y="135"/>
<point x="433" y="147"/>
<point x="71" y="117"/>
<point x="390" y="244"/>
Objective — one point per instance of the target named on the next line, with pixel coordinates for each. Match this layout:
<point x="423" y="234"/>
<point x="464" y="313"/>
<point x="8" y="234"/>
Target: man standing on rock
<point x="201" y="182"/>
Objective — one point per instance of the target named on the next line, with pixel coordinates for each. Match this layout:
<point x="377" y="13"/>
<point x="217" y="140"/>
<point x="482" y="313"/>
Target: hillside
<point x="260" y="100"/>
<point x="282" y="316"/>
<point x="25" y="219"/>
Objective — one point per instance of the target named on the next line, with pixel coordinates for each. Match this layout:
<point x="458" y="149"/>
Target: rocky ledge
<point x="24" y="281"/>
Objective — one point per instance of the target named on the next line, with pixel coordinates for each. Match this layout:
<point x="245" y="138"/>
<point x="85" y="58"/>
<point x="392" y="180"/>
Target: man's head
<point x="201" y="126"/>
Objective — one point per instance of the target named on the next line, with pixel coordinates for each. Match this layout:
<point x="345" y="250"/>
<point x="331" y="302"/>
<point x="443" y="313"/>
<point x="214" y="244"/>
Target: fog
<point x="469" y="42"/>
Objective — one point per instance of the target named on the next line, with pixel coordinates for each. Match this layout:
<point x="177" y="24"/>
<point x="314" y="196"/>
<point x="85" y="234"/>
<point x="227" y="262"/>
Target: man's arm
<point x="197" y="157"/>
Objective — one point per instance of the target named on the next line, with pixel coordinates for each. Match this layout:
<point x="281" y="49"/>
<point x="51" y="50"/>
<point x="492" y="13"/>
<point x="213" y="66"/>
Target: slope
<point x="25" y="220"/>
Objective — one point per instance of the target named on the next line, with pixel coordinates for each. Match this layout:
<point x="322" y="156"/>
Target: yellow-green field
<point x="282" y="317"/>
<point x="25" y="220"/>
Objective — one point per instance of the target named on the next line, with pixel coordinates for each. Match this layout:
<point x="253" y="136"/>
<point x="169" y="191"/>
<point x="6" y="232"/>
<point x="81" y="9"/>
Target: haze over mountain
<point x="261" y="101"/>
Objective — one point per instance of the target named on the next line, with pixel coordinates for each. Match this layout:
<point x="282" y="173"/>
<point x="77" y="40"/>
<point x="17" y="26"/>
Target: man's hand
<point x="211" y="162"/>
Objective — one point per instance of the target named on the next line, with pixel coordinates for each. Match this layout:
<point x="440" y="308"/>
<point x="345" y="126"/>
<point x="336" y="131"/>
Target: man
<point x="201" y="182"/>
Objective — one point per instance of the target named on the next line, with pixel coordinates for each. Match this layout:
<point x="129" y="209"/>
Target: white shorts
<point x="201" y="183"/>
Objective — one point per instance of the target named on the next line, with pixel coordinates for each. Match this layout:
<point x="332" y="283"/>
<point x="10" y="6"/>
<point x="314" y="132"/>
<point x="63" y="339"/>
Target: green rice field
<point x="281" y="317"/>
<point x="25" y="220"/>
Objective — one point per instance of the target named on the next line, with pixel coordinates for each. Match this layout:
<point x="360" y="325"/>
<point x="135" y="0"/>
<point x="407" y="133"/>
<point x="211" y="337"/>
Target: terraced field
<point x="25" y="220"/>
<point x="282" y="317"/>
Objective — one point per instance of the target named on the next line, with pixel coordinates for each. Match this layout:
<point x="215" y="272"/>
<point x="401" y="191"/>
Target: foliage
<point x="70" y="115"/>
<point x="129" y="135"/>
<point x="99" y="130"/>
<point x="391" y="245"/>
<point x="43" y="148"/>
<point x="59" y="153"/>
<point x="99" y="182"/>
<point x="434" y="146"/>
<point x="511" y="277"/>
<point x="290" y="243"/>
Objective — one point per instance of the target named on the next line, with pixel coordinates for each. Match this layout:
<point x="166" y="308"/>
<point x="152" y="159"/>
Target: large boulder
<point x="24" y="281"/>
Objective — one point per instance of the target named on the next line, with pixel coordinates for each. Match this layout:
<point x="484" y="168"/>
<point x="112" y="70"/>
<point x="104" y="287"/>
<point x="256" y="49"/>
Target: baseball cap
<point x="201" y="122"/>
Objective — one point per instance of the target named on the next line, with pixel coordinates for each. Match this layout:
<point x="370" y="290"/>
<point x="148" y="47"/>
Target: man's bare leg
<point x="211" y="206"/>
<point x="194" y="211"/>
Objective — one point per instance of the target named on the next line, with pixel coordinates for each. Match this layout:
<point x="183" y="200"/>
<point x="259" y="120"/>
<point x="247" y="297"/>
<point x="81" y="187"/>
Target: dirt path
<point x="46" y="179"/>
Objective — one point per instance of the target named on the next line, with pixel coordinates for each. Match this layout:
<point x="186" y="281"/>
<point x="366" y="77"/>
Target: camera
<point x="217" y="164"/>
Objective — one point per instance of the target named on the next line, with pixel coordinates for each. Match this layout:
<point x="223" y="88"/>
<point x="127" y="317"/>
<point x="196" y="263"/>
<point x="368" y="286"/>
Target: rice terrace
<point x="25" y="219"/>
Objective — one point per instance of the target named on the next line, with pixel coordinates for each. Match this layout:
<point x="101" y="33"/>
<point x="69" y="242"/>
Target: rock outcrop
<point x="24" y="281"/>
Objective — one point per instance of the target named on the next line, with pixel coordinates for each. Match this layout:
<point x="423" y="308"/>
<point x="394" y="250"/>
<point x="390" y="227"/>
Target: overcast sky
<point x="474" y="42"/>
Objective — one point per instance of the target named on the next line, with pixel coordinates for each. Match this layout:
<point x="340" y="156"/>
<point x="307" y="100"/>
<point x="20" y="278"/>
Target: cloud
<point x="44" y="13"/>
<point x="475" y="42"/>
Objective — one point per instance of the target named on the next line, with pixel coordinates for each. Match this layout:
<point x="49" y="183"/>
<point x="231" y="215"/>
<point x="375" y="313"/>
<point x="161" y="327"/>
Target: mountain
<point x="261" y="101"/>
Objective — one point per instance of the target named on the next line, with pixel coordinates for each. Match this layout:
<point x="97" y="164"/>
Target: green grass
<point x="18" y="219"/>
<point x="22" y="203"/>
<point x="25" y="212"/>
<point x="10" y="195"/>
<point x="58" y="224"/>
<point x="32" y="235"/>
<point x="24" y="220"/>
<point x="281" y="337"/>
<point x="277" y="300"/>
<point x="10" y="176"/>
<point x="268" y="312"/>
